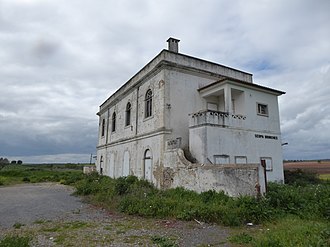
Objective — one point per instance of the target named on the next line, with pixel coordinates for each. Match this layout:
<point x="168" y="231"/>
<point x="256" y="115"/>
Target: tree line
<point x="5" y="161"/>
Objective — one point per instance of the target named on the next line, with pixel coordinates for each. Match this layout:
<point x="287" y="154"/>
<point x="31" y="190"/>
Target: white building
<point x="184" y="121"/>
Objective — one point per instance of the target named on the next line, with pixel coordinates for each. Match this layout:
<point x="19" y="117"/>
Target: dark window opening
<point x="148" y="106"/>
<point x="113" y="122"/>
<point x="128" y="114"/>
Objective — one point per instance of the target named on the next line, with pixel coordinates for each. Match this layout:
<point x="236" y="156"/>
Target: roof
<point x="245" y="84"/>
<point x="165" y="57"/>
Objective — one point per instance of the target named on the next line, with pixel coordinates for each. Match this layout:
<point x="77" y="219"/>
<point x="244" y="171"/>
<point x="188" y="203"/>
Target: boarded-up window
<point x="268" y="162"/>
<point x="221" y="159"/>
<point x="240" y="160"/>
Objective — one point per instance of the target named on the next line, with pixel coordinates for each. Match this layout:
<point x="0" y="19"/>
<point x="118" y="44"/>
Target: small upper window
<point x="103" y="127"/>
<point x="113" y="122"/>
<point x="148" y="104"/>
<point x="262" y="109"/>
<point x="128" y="114"/>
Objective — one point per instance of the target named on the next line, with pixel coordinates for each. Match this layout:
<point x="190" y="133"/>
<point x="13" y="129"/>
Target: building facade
<point x="184" y="121"/>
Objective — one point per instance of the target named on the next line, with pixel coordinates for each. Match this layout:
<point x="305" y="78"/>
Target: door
<point x="148" y="165"/>
<point x="126" y="164"/>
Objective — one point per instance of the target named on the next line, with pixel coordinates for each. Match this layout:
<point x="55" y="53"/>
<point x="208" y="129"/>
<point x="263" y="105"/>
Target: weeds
<point x="18" y="225"/>
<point x="163" y="241"/>
<point x="138" y="197"/>
<point x="15" y="241"/>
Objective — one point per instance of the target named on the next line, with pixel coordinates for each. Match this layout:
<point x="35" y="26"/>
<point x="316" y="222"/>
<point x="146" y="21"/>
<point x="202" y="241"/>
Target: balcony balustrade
<point x="215" y="118"/>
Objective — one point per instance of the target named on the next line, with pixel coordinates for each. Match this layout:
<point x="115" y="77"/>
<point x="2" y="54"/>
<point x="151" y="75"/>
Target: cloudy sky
<point x="59" y="60"/>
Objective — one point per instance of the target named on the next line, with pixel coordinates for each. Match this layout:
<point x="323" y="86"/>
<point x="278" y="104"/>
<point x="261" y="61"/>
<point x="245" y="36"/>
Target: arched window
<point x="103" y="127"/>
<point x="113" y="122"/>
<point x="128" y="114"/>
<point x="148" y="107"/>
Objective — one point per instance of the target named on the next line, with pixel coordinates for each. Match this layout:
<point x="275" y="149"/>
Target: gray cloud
<point x="60" y="60"/>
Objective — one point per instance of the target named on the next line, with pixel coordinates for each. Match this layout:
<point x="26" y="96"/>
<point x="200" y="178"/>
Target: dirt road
<point x="49" y="214"/>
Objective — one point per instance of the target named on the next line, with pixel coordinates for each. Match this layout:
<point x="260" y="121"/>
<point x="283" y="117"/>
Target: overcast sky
<point x="59" y="60"/>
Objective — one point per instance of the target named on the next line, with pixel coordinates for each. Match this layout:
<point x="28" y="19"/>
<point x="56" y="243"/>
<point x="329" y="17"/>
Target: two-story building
<point x="184" y="121"/>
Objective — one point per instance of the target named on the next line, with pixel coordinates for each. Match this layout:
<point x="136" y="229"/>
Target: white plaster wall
<point x="234" y="180"/>
<point x="183" y="97"/>
<point x="233" y="142"/>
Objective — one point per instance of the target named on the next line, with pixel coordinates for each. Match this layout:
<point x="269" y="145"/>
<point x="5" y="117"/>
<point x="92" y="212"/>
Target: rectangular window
<point x="268" y="162"/>
<point x="221" y="159"/>
<point x="262" y="109"/>
<point x="103" y="127"/>
<point x="240" y="160"/>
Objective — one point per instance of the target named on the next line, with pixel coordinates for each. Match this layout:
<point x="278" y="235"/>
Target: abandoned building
<point x="185" y="121"/>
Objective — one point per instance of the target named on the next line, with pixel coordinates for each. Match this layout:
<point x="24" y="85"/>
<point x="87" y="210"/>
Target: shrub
<point x="300" y="177"/>
<point x="133" y="196"/>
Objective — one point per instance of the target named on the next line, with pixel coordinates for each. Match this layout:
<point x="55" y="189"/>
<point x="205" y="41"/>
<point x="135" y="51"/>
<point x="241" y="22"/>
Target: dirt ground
<point x="53" y="217"/>
<point x="322" y="167"/>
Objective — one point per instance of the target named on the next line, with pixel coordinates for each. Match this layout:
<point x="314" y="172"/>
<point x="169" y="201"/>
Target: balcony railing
<point x="215" y="118"/>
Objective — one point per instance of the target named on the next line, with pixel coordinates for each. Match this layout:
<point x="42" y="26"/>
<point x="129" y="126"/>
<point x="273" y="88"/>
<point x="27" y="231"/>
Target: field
<point x="322" y="167"/>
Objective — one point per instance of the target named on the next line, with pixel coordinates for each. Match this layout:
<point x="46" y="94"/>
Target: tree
<point x="19" y="162"/>
<point x="4" y="161"/>
<point x="13" y="162"/>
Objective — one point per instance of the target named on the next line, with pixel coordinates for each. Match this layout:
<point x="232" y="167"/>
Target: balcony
<point x="215" y="118"/>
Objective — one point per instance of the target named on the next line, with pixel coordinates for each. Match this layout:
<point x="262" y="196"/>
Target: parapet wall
<point x="233" y="179"/>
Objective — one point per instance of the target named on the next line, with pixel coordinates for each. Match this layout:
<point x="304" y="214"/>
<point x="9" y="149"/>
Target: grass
<point x="289" y="232"/>
<point x="163" y="241"/>
<point x="324" y="176"/>
<point x="138" y="197"/>
<point x="15" y="174"/>
<point x="15" y="241"/>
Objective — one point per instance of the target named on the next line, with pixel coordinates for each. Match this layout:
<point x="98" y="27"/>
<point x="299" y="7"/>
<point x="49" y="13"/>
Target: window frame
<point x="113" y="122"/>
<point x="260" y="111"/>
<point x="222" y="157"/>
<point x="103" y="128"/>
<point x="128" y="114"/>
<point x="240" y="158"/>
<point x="148" y="104"/>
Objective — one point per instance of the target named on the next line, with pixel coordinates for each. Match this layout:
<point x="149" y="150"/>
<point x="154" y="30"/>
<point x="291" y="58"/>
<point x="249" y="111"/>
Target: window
<point x="113" y="122"/>
<point x="221" y="159"/>
<point x="148" y="165"/>
<point x="267" y="162"/>
<point x="128" y="114"/>
<point x="262" y="109"/>
<point x="148" y="106"/>
<point x="240" y="160"/>
<point x="101" y="166"/>
<point x="103" y="127"/>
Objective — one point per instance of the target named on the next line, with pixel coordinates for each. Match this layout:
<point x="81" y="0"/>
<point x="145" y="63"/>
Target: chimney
<point x="173" y="45"/>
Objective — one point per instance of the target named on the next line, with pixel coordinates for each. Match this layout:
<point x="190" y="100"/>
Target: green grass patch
<point x="74" y="225"/>
<point x="324" y="176"/>
<point x="15" y="174"/>
<point x="163" y="241"/>
<point x="18" y="225"/>
<point x="289" y="232"/>
<point x="15" y="241"/>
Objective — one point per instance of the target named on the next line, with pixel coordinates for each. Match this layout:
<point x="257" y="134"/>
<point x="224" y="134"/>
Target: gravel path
<point x="53" y="217"/>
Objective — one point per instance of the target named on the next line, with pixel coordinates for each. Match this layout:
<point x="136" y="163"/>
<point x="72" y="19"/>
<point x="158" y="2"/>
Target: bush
<point x="139" y="197"/>
<point x="300" y="177"/>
